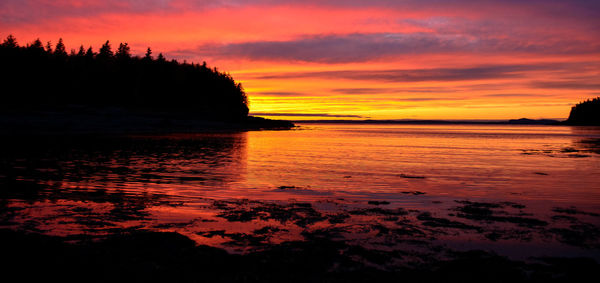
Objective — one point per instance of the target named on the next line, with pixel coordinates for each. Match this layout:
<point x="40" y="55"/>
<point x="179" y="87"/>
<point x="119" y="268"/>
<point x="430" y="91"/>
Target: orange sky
<point x="377" y="59"/>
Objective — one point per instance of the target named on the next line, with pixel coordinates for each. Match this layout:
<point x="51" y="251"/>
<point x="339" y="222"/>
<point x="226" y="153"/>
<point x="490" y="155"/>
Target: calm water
<point x="516" y="190"/>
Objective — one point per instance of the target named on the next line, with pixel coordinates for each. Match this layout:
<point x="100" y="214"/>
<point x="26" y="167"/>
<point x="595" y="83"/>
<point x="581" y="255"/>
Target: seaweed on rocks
<point x="483" y="211"/>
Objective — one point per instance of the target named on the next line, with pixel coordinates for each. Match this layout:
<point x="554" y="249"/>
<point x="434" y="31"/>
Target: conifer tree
<point x="49" y="47"/>
<point x="90" y="53"/>
<point x="37" y="45"/>
<point x="148" y="55"/>
<point x="81" y="52"/>
<point x="60" y="48"/>
<point x="123" y="52"/>
<point x="105" y="51"/>
<point x="10" y="42"/>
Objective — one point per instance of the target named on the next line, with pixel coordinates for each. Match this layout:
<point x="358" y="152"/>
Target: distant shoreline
<point x="583" y="114"/>
<point x="522" y="121"/>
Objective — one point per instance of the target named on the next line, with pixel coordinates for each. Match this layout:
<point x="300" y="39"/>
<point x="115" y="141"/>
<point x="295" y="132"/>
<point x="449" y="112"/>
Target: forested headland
<point x="42" y="77"/>
<point x="586" y="113"/>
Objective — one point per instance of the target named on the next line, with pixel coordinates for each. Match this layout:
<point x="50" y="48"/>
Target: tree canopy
<point x="586" y="113"/>
<point x="39" y="78"/>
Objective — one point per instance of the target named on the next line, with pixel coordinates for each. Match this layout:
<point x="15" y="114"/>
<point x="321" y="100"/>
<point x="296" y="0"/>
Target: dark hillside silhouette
<point x="585" y="113"/>
<point x="43" y="78"/>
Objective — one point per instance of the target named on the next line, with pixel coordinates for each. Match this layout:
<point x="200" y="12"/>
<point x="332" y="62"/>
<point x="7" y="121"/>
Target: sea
<point x="520" y="191"/>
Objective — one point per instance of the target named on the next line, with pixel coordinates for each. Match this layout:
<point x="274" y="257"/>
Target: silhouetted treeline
<point x="585" y="113"/>
<point x="39" y="76"/>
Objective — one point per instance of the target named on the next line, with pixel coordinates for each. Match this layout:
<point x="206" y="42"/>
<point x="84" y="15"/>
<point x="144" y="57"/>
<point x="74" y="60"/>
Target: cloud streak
<point x="324" y="115"/>
<point x="510" y="95"/>
<point x="365" y="47"/>
<point x="417" y="75"/>
<point x="366" y="91"/>
<point x="281" y="93"/>
<point x="572" y="8"/>
<point x="566" y="84"/>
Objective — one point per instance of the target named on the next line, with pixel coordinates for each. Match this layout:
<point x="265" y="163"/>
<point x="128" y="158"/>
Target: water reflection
<point x="390" y="187"/>
<point x="586" y="139"/>
<point x="67" y="185"/>
<point x="122" y="162"/>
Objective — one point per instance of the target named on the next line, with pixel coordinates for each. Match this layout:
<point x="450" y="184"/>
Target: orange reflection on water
<point x="465" y="186"/>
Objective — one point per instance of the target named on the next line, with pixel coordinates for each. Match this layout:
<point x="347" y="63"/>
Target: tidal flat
<point x="323" y="203"/>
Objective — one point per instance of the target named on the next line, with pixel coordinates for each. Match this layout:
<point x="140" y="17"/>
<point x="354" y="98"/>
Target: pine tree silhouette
<point x="123" y="52"/>
<point x="105" y="51"/>
<point x="59" y="50"/>
<point x="10" y="42"/>
<point x="37" y="45"/>
<point x="90" y="53"/>
<point x="81" y="51"/>
<point x="148" y="55"/>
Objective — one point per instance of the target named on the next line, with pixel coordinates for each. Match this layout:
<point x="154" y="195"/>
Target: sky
<point x="348" y="59"/>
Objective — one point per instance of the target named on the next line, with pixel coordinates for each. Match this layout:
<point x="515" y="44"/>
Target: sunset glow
<point x="352" y="60"/>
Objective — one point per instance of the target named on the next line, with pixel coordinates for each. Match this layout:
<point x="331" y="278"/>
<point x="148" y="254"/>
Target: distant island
<point x="47" y="88"/>
<point x="586" y="113"/>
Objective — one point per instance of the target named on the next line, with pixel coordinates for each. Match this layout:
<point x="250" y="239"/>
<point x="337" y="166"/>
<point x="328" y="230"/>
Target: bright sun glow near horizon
<point x="376" y="59"/>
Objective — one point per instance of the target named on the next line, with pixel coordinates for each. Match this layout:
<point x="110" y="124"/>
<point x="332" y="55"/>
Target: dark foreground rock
<point x="170" y="257"/>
